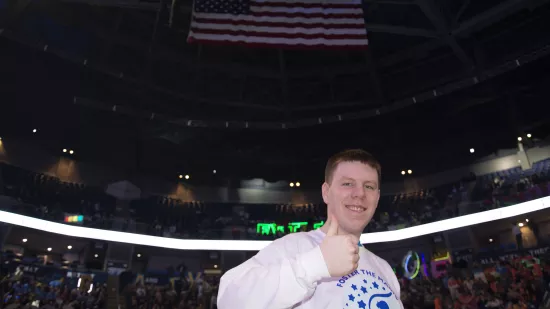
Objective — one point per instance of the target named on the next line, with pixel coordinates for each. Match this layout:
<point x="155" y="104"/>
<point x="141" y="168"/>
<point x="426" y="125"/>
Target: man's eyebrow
<point x="366" y="181"/>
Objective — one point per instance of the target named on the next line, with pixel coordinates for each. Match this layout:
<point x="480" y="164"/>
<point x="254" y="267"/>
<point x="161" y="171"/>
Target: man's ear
<point x="324" y="191"/>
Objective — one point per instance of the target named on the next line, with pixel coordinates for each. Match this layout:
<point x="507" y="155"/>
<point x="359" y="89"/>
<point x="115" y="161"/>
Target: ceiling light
<point x="291" y="184"/>
<point x="49" y="249"/>
<point x="138" y="255"/>
<point x="69" y="247"/>
<point x="472" y="150"/>
<point x="298" y="184"/>
<point x="214" y="172"/>
<point x="187" y="176"/>
<point x="490" y="240"/>
<point x="519" y="139"/>
<point x="180" y="176"/>
<point x="64" y="149"/>
<point x="410" y="172"/>
<point x="529" y="135"/>
<point x="403" y="173"/>
<point x="24" y="240"/>
<point x="526" y="220"/>
<point x="71" y="151"/>
<point x="34" y="130"/>
<point x="520" y="224"/>
<point x="95" y="255"/>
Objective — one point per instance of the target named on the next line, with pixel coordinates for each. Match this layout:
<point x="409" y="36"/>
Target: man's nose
<point x="358" y="192"/>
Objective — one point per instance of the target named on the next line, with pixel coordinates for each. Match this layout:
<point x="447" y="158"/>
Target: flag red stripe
<point x="308" y="5"/>
<point x="306" y="15"/>
<point x="276" y="24"/>
<point x="285" y="46"/>
<point x="280" y="35"/>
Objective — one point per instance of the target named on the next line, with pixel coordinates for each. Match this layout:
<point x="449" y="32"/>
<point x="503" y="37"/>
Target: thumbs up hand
<point x="341" y="252"/>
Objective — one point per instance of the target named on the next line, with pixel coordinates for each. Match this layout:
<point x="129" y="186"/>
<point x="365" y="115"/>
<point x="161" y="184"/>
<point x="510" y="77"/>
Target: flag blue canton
<point x="234" y="7"/>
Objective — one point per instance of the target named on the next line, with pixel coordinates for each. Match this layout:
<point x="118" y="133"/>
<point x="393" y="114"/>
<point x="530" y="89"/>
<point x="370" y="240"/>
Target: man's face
<point x="352" y="196"/>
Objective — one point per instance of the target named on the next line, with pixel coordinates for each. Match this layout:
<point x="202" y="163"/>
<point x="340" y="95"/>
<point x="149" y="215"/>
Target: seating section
<point x="35" y="283"/>
<point x="53" y="198"/>
<point x="173" y="218"/>
<point x="49" y="198"/>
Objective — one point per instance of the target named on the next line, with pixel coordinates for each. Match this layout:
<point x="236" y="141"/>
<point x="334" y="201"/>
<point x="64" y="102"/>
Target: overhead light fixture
<point x="96" y="255"/>
<point x="520" y="139"/>
<point x="490" y="240"/>
<point x="409" y="172"/>
<point x="298" y="184"/>
<point x="49" y="249"/>
<point x="138" y="255"/>
<point x="526" y="220"/>
<point x="180" y="176"/>
<point x="24" y="240"/>
<point x="71" y="151"/>
<point x="529" y="135"/>
<point x="69" y="247"/>
<point x="214" y="172"/>
<point x="187" y="176"/>
<point x="64" y="150"/>
<point x="403" y="173"/>
<point x="520" y="224"/>
<point x="291" y="184"/>
<point x="34" y="130"/>
<point x="472" y="150"/>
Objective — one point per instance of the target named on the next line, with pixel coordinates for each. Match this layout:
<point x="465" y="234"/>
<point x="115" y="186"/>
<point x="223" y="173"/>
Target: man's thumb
<point x="333" y="227"/>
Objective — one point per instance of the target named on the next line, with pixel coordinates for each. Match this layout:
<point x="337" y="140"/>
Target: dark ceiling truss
<point x="444" y="33"/>
<point x="443" y="29"/>
<point x="13" y="13"/>
<point x="364" y="114"/>
<point x="496" y="13"/>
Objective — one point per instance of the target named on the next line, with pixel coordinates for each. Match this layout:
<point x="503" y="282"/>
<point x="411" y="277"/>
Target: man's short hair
<point x="352" y="155"/>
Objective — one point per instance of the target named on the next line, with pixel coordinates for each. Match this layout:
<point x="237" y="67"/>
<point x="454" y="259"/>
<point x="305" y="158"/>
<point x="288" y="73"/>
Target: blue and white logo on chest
<point x="364" y="289"/>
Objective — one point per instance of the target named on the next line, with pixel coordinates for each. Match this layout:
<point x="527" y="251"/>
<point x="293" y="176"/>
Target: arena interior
<point x="137" y="165"/>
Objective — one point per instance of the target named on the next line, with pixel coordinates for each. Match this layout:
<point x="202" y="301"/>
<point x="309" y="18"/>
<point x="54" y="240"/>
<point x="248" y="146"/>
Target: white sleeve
<point x="273" y="279"/>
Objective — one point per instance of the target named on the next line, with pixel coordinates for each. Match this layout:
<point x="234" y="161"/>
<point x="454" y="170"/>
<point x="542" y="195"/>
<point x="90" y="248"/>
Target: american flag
<point x="280" y="23"/>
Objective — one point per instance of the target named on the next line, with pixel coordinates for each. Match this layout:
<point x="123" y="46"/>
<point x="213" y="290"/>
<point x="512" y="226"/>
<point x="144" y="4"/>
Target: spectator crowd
<point x="520" y="283"/>
<point x="22" y="289"/>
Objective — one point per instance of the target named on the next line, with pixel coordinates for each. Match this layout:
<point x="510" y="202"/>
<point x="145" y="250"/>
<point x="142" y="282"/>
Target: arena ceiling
<point x="438" y="78"/>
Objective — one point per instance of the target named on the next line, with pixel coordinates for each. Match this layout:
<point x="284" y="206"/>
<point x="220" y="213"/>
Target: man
<point x="325" y="268"/>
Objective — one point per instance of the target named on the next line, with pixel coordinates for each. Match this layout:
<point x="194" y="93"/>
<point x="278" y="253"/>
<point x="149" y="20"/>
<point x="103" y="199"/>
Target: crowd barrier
<point x="248" y="245"/>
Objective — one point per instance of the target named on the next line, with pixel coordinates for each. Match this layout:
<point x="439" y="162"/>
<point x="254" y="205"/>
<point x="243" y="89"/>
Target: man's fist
<point x="341" y="252"/>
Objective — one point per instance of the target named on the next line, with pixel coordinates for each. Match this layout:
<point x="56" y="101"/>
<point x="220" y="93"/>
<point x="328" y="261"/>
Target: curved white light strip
<point x="458" y="222"/>
<point x="247" y="245"/>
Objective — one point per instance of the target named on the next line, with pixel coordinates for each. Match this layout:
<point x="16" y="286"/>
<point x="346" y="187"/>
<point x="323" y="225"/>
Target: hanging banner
<point x="493" y="257"/>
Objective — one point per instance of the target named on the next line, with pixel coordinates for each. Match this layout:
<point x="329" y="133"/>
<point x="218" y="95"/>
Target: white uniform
<point x="291" y="273"/>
